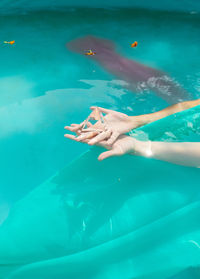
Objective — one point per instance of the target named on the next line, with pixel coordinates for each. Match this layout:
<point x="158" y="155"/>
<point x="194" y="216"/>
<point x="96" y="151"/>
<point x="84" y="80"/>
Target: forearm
<point x="184" y="153"/>
<point x="148" y="118"/>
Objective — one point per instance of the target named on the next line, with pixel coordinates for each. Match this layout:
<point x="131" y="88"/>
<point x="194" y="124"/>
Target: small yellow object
<point x="90" y="52"/>
<point x="11" y="42"/>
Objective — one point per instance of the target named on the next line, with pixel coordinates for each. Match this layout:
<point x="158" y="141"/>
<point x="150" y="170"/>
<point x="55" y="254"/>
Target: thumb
<point x="107" y="154"/>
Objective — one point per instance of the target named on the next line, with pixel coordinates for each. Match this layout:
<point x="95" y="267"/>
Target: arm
<point x="184" y="153"/>
<point x="118" y="123"/>
<point x="180" y="153"/>
<point x="148" y="118"/>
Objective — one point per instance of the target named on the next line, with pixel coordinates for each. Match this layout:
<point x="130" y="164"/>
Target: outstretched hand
<point x="123" y="145"/>
<point x="115" y="124"/>
<point x="108" y="131"/>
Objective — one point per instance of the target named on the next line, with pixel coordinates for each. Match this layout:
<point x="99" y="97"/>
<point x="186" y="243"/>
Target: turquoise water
<point x="44" y="87"/>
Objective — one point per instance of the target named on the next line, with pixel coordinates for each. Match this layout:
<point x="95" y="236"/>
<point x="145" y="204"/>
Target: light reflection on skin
<point x="148" y="151"/>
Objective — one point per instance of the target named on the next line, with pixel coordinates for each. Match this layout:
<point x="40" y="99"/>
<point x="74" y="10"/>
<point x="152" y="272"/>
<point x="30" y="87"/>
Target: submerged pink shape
<point x="132" y="72"/>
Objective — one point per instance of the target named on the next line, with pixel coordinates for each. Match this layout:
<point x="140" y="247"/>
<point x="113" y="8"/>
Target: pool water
<point x="44" y="87"/>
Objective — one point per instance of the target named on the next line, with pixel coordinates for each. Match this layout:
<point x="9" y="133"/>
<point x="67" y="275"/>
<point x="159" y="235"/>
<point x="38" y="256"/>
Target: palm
<point x="114" y="124"/>
<point x="123" y="145"/>
<point x="118" y="122"/>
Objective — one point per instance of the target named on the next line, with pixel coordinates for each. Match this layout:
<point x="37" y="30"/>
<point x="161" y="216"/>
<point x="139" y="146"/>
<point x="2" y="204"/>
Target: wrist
<point x="142" y="148"/>
<point x="140" y="120"/>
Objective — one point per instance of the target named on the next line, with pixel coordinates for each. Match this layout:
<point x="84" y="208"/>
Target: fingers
<point x="102" y="136"/>
<point x="104" y="144"/>
<point x="74" y="127"/>
<point x="88" y="135"/>
<point x="70" y="137"/>
<point x="100" y="109"/>
<point x="77" y="127"/>
<point x="89" y="124"/>
<point x="113" y="138"/>
<point x="107" y="154"/>
<point x="95" y="114"/>
<point x="85" y="140"/>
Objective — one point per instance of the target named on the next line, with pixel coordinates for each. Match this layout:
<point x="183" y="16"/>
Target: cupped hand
<point x="123" y="145"/>
<point x="107" y="128"/>
<point x="115" y="124"/>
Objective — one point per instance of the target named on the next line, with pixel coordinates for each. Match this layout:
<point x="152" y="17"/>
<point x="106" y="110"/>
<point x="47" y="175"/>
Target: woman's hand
<point x="115" y="124"/>
<point x="123" y="145"/>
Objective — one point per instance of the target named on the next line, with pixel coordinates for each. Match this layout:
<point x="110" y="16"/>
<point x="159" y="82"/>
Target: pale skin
<point x="117" y="124"/>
